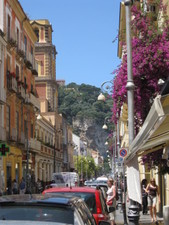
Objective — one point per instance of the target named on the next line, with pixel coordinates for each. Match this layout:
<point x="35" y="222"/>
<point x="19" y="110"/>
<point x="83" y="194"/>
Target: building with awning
<point x="152" y="138"/>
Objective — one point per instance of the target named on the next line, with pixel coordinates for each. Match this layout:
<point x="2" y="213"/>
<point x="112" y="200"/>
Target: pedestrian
<point x="152" y="190"/>
<point x="39" y="186"/>
<point x="144" y="196"/>
<point x="111" y="200"/>
<point x="14" y="187"/>
<point x="9" y="186"/>
<point x="22" y="186"/>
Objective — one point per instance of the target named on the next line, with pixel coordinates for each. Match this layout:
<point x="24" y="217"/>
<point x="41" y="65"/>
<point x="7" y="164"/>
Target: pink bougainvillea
<point x="150" y="62"/>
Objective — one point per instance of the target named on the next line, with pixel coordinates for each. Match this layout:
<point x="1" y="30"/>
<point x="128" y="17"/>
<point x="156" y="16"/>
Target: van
<point x="68" y="179"/>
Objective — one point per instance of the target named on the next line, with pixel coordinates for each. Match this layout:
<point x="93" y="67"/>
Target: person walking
<point x="144" y="196"/>
<point x="152" y="190"/>
<point x="14" y="187"/>
<point x="111" y="200"/>
<point x="22" y="186"/>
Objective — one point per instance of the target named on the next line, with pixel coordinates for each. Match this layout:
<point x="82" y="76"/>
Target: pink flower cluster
<point x="150" y="62"/>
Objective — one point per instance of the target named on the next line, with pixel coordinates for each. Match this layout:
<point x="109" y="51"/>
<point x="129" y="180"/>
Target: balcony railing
<point x="33" y="101"/>
<point x="21" y="92"/>
<point x="35" y="144"/>
<point x="21" y="140"/>
<point x="2" y="96"/>
<point x="11" y="82"/>
<point x="2" y="134"/>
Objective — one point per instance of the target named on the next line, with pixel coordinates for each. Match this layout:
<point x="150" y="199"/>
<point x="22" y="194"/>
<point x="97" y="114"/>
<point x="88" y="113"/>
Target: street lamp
<point x="106" y="143"/>
<point x="106" y="122"/>
<point x="106" y="87"/>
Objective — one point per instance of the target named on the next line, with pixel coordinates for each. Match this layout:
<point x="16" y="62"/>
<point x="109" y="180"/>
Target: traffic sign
<point x="123" y="152"/>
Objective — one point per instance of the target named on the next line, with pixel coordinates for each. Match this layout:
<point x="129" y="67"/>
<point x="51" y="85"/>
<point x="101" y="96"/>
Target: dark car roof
<point x="71" y="189"/>
<point x="39" y="199"/>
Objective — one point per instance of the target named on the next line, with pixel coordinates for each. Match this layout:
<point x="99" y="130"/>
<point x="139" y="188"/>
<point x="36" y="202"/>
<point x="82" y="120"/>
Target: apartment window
<point x="151" y="8"/>
<point x="32" y="55"/>
<point x="17" y="72"/>
<point x="9" y="27"/>
<point x="32" y="89"/>
<point x="25" y="45"/>
<point x="8" y="121"/>
<point x="36" y="30"/>
<point x="31" y="130"/>
<point x="17" y="124"/>
<point x="17" y="38"/>
<point x="25" y="128"/>
<point x="8" y="61"/>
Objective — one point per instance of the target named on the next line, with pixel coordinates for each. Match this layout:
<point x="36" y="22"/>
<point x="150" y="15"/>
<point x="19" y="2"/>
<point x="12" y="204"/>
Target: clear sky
<point x="83" y="33"/>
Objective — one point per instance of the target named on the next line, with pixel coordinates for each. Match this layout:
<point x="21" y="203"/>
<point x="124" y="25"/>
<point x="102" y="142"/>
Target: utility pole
<point x="133" y="214"/>
<point x="27" y="162"/>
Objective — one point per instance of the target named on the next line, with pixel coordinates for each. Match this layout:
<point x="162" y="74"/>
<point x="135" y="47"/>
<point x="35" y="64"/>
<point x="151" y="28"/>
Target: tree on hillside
<point x="80" y="101"/>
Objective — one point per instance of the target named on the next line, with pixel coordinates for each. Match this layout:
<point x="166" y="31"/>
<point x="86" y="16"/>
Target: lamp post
<point x="133" y="214"/>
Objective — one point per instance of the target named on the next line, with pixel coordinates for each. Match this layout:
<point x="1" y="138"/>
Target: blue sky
<point x="83" y="31"/>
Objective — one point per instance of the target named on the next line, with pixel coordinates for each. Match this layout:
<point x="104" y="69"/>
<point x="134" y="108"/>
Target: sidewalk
<point x="144" y="219"/>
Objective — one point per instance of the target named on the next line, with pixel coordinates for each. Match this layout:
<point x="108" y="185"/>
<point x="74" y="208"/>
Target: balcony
<point x="35" y="145"/>
<point x="21" y="140"/>
<point x="33" y="101"/>
<point x="11" y="82"/>
<point x="21" y="92"/>
<point x="35" y="68"/>
<point x="2" y="134"/>
<point x="2" y="96"/>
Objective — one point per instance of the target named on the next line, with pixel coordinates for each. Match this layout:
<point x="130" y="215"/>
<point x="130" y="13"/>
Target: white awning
<point x="154" y="120"/>
<point x="154" y="132"/>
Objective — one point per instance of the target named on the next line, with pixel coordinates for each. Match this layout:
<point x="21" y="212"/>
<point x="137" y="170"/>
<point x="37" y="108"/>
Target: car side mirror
<point x="104" y="223"/>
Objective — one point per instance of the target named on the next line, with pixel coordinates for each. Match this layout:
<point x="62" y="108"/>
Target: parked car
<point x="40" y="209"/>
<point x="92" y="197"/>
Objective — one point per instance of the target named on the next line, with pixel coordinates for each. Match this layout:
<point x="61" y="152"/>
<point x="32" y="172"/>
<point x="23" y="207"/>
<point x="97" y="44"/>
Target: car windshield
<point x="89" y="199"/>
<point x="37" y="213"/>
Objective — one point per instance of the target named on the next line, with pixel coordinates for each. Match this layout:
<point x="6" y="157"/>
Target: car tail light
<point x="98" y="204"/>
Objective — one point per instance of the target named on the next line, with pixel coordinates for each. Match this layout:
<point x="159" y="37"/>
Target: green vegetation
<point x="80" y="102"/>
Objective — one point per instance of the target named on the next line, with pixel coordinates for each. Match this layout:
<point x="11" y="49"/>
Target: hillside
<point x="85" y="114"/>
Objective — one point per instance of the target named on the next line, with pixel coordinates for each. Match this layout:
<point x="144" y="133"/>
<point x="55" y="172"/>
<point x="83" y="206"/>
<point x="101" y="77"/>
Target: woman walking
<point x="152" y="190"/>
<point x="144" y="196"/>
<point x="111" y="200"/>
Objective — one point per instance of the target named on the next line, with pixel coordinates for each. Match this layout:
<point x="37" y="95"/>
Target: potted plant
<point x="28" y="64"/>
<point x="12" y="43"/>
<point x="2" y="34"/>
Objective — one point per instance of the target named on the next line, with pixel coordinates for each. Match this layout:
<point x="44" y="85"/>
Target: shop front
<point x="151" y="147"/>
<point x="12" y="166"/>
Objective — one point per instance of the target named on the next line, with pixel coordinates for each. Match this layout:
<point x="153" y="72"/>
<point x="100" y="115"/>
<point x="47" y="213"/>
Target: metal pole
<point x="133" y="214"/>
<point x="54" y="158"/>
<point x="86" y="169"/>
<point x="124" y="197"/>
<point x="27" y="161"/>
<point x="130" y="83"/>
<point x="81" y="167"/>
<point x="119" y="177"/>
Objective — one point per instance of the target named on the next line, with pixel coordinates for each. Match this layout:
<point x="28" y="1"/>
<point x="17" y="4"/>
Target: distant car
<point x="102" y="179"/>
<point x="92" y="197"/>
<point x="44" y="210"/>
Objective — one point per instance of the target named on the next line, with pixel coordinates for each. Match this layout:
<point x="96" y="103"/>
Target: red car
<point x="93" y="198"/>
